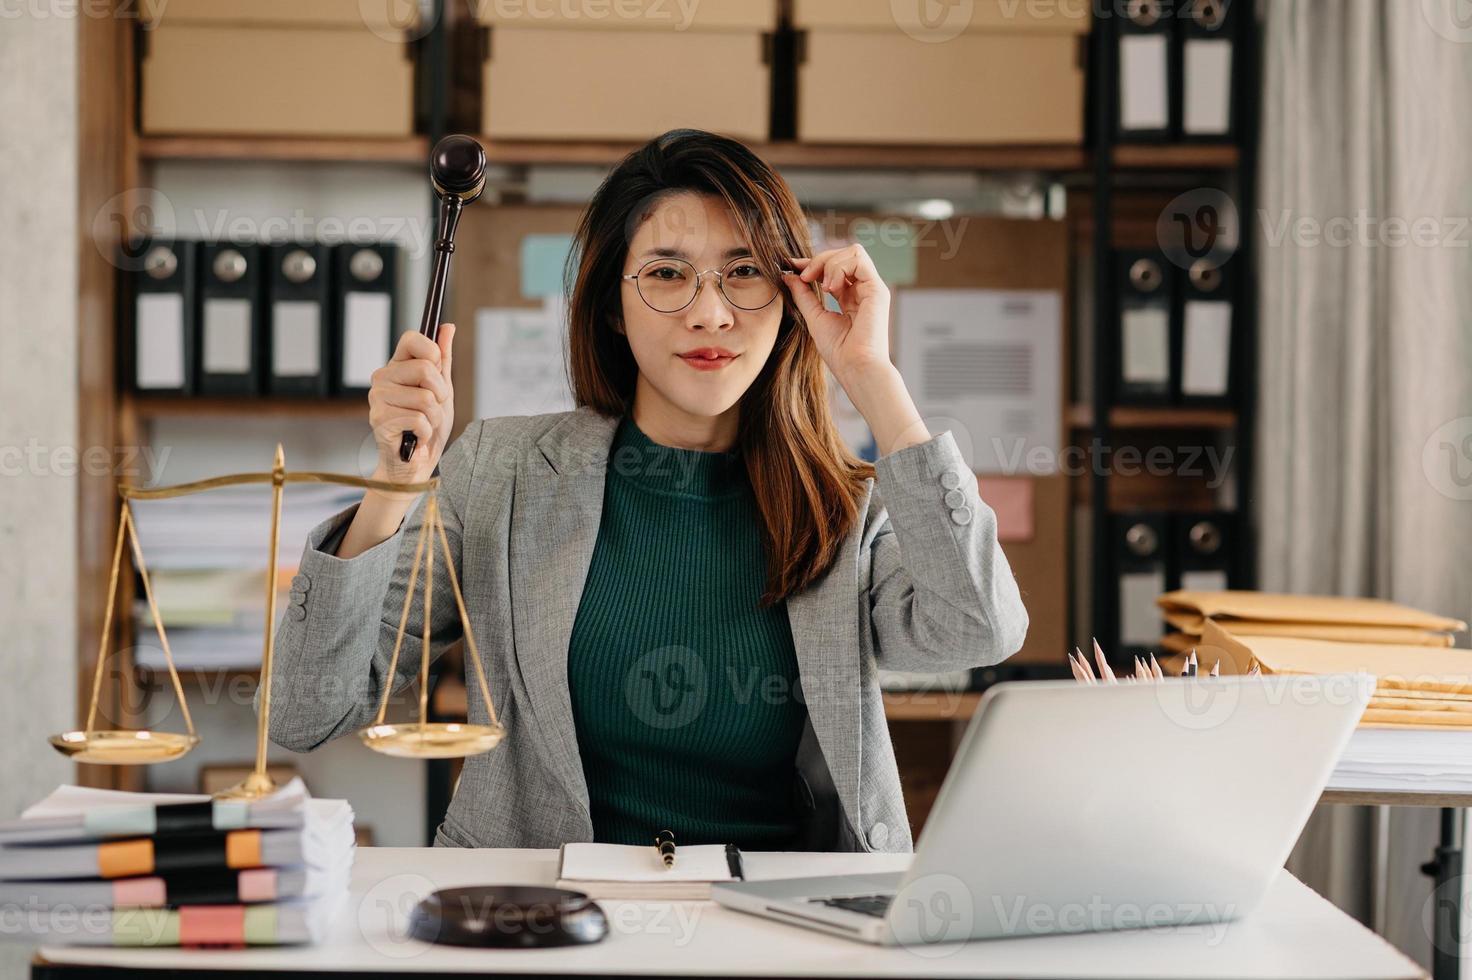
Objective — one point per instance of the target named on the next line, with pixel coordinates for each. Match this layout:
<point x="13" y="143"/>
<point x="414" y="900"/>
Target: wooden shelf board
<point x="785" y="153"/>
<point x="449" y="702"/>
<point x="1149" y="417"/>
<point x="404" y="149"/>
<point x="806" y="155"/>
<point x="153" y="406"/>
<point x="930" y="705"/>
<point x="1061" y="158"/>
<point x="1176" y="156"/>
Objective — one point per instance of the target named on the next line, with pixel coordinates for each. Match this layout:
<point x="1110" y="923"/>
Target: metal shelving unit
<point x="1106" y="419"/>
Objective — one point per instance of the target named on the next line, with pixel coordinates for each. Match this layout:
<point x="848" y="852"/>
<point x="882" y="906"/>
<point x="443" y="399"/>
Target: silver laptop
<point x="1074" y="808"/>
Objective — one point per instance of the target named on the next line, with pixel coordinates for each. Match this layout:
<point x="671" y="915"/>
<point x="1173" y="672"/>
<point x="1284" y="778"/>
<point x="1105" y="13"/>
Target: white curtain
<point x="1365" y="371"/>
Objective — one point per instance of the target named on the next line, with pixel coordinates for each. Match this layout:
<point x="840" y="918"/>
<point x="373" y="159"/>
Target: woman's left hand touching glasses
<point x="856" y="340"/>
<point x="855" y="343"/>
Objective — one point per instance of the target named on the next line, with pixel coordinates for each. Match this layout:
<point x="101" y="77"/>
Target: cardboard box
<point x="985" y="72"/>
<point x="620" y="76"/>
<point x="279" y="67"/>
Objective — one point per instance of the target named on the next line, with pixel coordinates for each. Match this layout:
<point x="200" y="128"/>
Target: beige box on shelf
<point x="556" y="72"/>
<point x="987" y="72"/>
<point x="334" y="68"/>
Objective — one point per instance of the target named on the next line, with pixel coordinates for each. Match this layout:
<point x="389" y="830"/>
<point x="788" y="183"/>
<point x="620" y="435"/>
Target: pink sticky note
<point x="1012" y="498"/>
<point x="146" y="892"/>
<point x="258" y="885"/>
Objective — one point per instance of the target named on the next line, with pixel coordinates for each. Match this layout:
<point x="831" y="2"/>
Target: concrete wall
<point x="38" y="408"/>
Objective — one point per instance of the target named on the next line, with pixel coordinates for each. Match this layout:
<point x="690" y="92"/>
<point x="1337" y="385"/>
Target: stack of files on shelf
<point x="1415" y="686"/>
<point x="1336" y="618"/>
<point x="206" y="556"/>
<point x="1407" y="760"/>
<point x="103" y="867"/>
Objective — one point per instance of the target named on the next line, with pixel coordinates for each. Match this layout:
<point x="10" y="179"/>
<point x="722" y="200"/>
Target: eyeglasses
<point x="670" y="285"/>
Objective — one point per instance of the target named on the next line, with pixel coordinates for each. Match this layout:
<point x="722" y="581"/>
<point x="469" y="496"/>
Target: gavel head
<point x="457" y="168"/>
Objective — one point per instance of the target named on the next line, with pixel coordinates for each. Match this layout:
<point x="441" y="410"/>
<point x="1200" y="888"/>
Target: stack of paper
<point x="1415" y="686"/>
<point x="101" y="867"/>
<point x="1249" y="614"/>
<point x="1410" y="760"/>
<point x="206" y="557"/>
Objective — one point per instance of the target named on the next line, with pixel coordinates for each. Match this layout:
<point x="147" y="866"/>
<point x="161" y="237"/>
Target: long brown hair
<point x="806" y="481"/>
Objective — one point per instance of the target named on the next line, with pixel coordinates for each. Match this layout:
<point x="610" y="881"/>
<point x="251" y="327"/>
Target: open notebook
<point x="636" y="871"/>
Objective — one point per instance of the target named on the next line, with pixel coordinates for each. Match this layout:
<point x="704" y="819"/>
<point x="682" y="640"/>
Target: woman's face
<point x="674" y="379"/>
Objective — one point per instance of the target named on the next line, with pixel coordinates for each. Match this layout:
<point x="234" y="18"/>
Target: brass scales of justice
<point x="420" y="740"/>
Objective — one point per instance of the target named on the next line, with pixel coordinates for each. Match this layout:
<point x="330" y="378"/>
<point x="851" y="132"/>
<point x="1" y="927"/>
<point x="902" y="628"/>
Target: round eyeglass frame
<point x="720" y="275"/>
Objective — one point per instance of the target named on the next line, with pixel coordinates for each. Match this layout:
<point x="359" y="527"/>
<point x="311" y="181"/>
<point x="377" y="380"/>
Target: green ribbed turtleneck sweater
<point x="682" y="688"/>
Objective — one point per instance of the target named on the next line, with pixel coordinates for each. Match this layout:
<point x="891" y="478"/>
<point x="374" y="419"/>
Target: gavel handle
<point x="429" y="325"/>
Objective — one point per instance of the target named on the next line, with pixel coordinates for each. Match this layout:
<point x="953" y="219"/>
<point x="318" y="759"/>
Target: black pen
<point x="733" y="862"/>
<point x="664" y="841"/>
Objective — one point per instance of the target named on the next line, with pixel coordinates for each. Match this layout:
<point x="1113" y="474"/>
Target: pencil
<point x="1104" y="669"/>
<point x="1079" y="670"/>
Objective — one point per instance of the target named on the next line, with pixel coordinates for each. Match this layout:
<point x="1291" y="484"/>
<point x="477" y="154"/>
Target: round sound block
<point x="508" y="917"/>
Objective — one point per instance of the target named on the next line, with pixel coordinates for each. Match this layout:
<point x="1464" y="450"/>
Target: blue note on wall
<point x="894" y="254"/>
<point x="543" y="258"/>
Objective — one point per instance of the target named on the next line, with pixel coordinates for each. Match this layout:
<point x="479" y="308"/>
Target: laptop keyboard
<point x="875" y="905"/>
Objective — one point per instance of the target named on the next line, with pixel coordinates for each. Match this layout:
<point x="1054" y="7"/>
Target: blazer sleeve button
<point x="961" y="515"/>
<point x="950" y="479"/>
<point x="955" y="498"/>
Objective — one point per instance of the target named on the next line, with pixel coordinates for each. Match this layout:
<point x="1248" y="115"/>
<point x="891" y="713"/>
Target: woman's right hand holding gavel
<point x="411" y="393"/>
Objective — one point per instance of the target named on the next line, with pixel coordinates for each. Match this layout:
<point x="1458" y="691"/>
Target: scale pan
<point x="440" y="740"/>
<point x="138" y="748"/>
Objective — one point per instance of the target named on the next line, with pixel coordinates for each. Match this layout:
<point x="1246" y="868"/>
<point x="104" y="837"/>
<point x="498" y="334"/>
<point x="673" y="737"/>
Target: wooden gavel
<point x="457" y="172"/>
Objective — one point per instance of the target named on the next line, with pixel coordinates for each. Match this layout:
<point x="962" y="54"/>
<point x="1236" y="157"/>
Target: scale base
<point x="252" y="787"/>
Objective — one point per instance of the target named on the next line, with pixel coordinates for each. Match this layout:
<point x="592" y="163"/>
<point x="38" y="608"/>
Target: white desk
<point x="1452" y="796"/>
<point x="1294" y="934"/>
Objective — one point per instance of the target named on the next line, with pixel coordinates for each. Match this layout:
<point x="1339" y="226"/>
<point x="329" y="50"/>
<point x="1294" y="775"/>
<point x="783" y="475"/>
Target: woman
<point x="682" y="589"/>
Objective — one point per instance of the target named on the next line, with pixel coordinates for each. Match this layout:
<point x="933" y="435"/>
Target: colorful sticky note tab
<point x="543" y="258"/>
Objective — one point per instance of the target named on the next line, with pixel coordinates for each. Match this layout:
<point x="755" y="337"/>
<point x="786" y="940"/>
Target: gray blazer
<point x="920" y="584"/>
